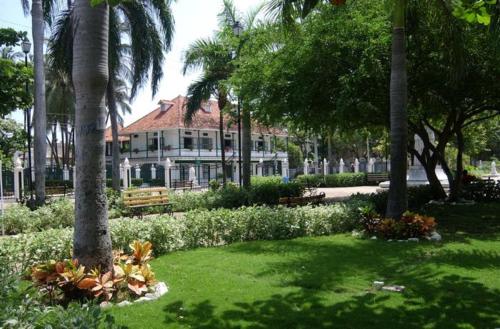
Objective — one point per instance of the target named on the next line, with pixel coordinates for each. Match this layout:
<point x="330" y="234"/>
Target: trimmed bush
<point x="57" y="214"/>
<point x="335" y="180"/>
<point x="268" y="190"/>
<point x="199" y="228"/>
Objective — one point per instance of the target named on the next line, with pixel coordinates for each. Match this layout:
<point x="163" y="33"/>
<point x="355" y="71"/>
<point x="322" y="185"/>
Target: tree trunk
<point x="92" y="241"/>
<point x="247" y="147"/>
<point x="456" y="188"/>
<point x="222" y="104"/>
<point x="39" y="114"/>
<point x="397" y="200"/>
<point x="115" y="147"/>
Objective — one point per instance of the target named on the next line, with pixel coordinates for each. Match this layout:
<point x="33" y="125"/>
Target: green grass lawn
<point x="326" y="282"/>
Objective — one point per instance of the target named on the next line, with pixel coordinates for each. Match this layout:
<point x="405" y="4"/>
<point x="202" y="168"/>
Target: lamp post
<point x="237" y="30"/>
<point x="26" y="47"/>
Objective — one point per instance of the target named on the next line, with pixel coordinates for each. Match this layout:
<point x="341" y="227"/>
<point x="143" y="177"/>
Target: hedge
<point x="334" y="180"/>
<point x="199" y="228"/>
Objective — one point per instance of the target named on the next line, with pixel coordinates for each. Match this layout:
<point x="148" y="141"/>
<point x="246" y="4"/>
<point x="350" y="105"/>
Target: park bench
<point x="138" y="199"/>
<point x="183" y="184"/>
<point x="56" y="190"/>
<point x="302" y="200"/>
<point x="377" y="177"/>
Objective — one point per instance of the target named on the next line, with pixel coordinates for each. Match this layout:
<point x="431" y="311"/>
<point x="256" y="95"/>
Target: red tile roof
<point x="109" y="136"/>
<point x="173" y="117"/>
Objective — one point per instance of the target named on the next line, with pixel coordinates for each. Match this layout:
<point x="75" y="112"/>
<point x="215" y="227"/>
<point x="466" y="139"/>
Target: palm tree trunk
<point x="247" y="147"/>
<point x="92" y="241"/>
<point x="397" y="200"/>
<point x="39" y="114"/>
<point x="115" y="147"/>
<point x="222" y="104"/>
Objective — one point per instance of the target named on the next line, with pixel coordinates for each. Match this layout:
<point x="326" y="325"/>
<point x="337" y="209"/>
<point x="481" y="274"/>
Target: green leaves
<point x="112" y="3"/>
<point x="477" y="12"/>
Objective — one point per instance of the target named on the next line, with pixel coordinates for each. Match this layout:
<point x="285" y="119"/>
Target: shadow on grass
<point x="433" y="298"/>
<point x="452" y="302"/>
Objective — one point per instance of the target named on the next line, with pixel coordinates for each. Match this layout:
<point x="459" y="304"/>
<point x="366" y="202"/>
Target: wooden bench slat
<point x="147" y="202"/>
<point x="144" y="197"/>
<point x="146" y="190"/>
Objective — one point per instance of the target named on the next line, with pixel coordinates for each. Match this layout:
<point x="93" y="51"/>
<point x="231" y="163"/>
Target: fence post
<point x="121" y="171"/>
<point x="137" y="171"/>
<point x="306" y="167"/>
<point x="259" y="167"/>
<point x="168" y="164"/>
<point x="356" y="165"/>
<point x="153" y="172"/>
<point x="284" y="169"/>
<point x="18" y="179"/>
<point x="65" y="173"/>
<point x="341" y="166"/>
<point x="192" y="175"/>
<point x="325" y="167"/>
<point x="126" y="174"/>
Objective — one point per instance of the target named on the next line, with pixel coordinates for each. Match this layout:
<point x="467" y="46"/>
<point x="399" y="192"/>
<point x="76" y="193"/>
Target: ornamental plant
<point x="411" y="225"/>
<point x="63" y="281"/>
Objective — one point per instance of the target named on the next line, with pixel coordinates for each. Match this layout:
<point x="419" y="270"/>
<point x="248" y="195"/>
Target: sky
<point x="194" y="19"/>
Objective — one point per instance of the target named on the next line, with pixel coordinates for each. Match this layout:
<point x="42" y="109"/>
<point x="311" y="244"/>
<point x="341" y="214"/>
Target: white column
<point x="153" y="171"/>
<point x="126" y="174"/>
<point x="137" y="171"/>
<point x="371" y="165"/>
<point x="325" y="167"/>
<point x="168" y="164"/>
<point x="65" y="173"/>
<point x="236" y="171"/>
<point x="18" y="179"/>
<point x="341" y="166"/>
<point x="121" y="171"/>
<point x="74" y="177"/>
<point x="306" y="167"/>
<point x="259" y="167"/>
<point x="356" y="165"/>
<point x="159" y="147"/>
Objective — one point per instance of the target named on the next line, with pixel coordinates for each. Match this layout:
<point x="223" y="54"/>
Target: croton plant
<point x="66" y="280"/>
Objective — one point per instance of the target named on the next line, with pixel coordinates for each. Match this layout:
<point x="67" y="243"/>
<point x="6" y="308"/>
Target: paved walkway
<point x="341" y="193"/>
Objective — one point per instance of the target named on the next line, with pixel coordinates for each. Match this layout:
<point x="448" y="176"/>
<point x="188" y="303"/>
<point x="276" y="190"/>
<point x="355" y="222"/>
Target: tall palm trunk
<point x="222" y="103"/>
<point x="115" y="145"/>
<point x="92" y="241"/>
<point x="39" y="114"/>
<point x="397" y="199"/>
<point x="247" y="147"/>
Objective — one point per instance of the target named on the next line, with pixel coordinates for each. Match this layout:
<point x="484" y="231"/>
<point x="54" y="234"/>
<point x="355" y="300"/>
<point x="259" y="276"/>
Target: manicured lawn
<point x="326" y="282"/>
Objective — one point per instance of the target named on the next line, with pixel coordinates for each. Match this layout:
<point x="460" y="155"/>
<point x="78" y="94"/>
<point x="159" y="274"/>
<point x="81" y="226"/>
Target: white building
<point x="162" y="134"/>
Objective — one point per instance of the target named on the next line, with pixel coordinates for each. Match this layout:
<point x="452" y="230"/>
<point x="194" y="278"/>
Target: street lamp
<point x="237" y="31"/>
<point x="26" y="47"/>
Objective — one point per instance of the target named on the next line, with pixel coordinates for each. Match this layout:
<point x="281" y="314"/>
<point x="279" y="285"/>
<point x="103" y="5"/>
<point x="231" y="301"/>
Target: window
<point x="207" y="143"/>
<point x="228" y="144"/>
<point x="188" y="143"/>
<point x="187" y="133"/>
<point x="125" y="146"/>
<point x="259" y="145"/>
<point x="205" y="171"/>
<point x="153" y="143"/>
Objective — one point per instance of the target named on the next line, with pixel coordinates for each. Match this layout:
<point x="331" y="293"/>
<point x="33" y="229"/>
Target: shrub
<point x="57" y="214"/>
<point x="482" y="190"/>
<point x="131" y="276"/>
<point x="137" y="182"/>
<point x="418" y="196"/>
<point x="335" y="180"/>
<point x="197" y="228"/>
<point x="410" y="225"/>
<point x="57" y="182"/>
<point x="268" y="190"/>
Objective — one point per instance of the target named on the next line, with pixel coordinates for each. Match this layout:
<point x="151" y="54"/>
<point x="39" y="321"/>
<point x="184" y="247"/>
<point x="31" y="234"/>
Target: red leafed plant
<point x="410" y="225"/>
<point x="66" y="280"/>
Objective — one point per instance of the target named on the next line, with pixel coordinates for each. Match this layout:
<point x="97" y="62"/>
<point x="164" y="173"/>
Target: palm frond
<point x="229" y="15"/>
<point x="199" y="92"/>
<point x="250" y="17"/>
<point x="60" y="47"/>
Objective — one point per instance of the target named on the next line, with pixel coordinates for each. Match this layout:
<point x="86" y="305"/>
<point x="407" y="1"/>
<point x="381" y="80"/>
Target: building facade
<point x="162" y="134"/>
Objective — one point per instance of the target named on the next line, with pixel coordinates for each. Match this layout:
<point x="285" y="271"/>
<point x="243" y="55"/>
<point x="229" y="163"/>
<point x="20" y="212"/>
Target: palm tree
<point x="92" y="241"/>
<point x="397" y="200"/>
<point x="214" y="57"/>
<point x="40" y="10"/>
<point x="147" y="26"/>
<point x="229" y="18"/>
